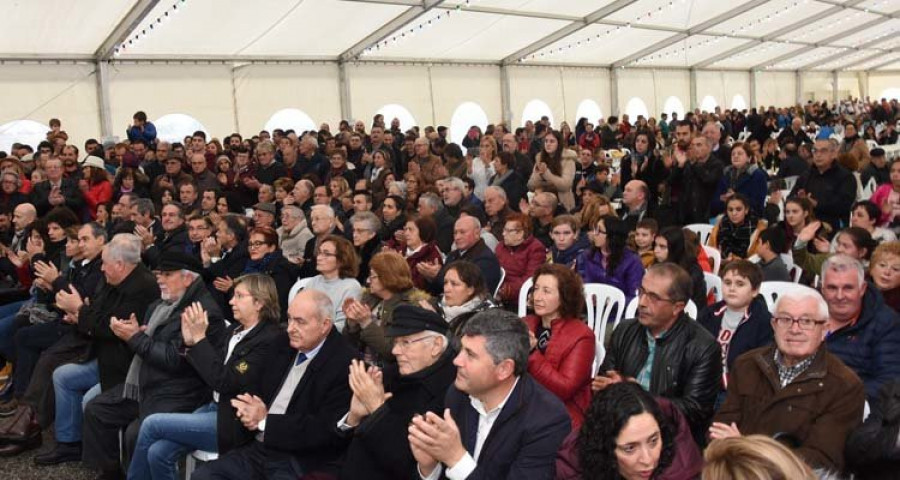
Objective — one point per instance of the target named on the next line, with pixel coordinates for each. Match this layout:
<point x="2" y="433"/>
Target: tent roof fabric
<point x="823" y="35"/>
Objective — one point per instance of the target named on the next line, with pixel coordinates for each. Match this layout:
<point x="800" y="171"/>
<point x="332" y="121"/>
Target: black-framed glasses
<point x="786" y="322"/>
<point x="256" y="244"/>
<point x="654" y="297"/>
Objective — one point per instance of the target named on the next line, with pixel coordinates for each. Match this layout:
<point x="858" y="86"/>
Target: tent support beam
<point x="830" y="58"/>
<point x="568" y="30"/>
<point x="835" y="76"/>
<point x="876" y="67"/>
<point x="795" y="53"/>
<point x="798" y="87"/>
<point x="692" y="83"/>
<point x="712" y="22"/>
<point x="866" y="59"/>
<point x="613" y="92"/>
<point x="103" y="104"/>
<point x="752" y="88"/>
<point x="344" y="92"/>
<point x="399" y="21"/>
<point x="505" y="106"/>
<point x="129" y="22"/>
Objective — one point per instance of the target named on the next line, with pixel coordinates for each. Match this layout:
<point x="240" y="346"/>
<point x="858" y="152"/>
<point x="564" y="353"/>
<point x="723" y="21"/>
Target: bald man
<point x="469" y="247"/>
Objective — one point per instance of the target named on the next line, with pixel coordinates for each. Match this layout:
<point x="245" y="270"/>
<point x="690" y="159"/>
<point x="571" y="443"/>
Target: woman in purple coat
<point x="609" y="261"/>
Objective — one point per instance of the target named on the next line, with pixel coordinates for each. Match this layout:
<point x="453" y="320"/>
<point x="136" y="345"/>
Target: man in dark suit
<point x="304" y="396"/>
<point x="56" y="191"/>
<point x="175" y="236"/>
<point x="469" y="246"/>
<point x="499" y="422"/>
<point x="224" y="258"/>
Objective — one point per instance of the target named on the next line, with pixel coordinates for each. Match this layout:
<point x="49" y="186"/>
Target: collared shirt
<point x="283" y="398"/>
<point x="232" y="342"/>
<point x="467" y="464"/>
<point x="646" y="373"/>
<point x="786" y="374"/>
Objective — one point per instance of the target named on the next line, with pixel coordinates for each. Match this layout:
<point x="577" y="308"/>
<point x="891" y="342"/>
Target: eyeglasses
<point x="326" y="254"/>
<point x="509" y="231"/>
<point x="597" y="230"/>
<point x="803" y="323"/>
<point x="654" y="297"/>
<point x="256" y="244"/>
<point x="405" y="344"/>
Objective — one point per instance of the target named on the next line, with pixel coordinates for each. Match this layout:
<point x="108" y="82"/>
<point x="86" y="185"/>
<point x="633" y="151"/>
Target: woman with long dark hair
<point x="609" y="261"/>
<point x="670" y="246"/>
<point x="644" y="164"/>
<point x="554" y="170"/>
<point x="628" y="434"/>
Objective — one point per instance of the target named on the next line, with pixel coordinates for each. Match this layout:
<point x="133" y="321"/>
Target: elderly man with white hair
<point x="471" y="247"/>
<point x="862" y="330"/>
<point x="796" y="390"/>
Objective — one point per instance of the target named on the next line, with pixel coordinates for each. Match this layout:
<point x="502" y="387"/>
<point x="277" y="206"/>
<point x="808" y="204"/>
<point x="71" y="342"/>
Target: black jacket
<point x="687" y="367"/>
<point x="699" y="183"/>
<point x="168" y="382"/>
<point x="231" y="265"/>
<point x="445" y="224"/>
<point x="306" y="431"/>
<point x="285" y="275"/>
<point x="480" y="255"/>
<point x="176" y="240"/>
<point x="40" y="196"/>
<point x="834" y="190"/>
<point x="242" y="373"/>
<point x="379" y="448"/>
<point x="136" y="292"/>
<point x="524" y="440"/>
<point x="754" y="331"/>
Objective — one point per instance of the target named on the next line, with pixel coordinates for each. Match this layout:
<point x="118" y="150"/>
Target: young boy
<point x="644" y="234"/>
<point x="567" y="240"/>
<point x="771" y="242"/>
<point x="741" y="321"/>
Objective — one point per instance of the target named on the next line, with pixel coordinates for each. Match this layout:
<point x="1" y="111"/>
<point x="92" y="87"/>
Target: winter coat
<point x="816" y="411"/>
<point x="425" y="254"/>
<point x="520" y="263"/>
<point x="565" y="366"/>
<point x="568" y="256"/>
<point x="627" y="276"/>
<point x="560" y="184"/>
<point x="754" y="330"/>
<point x="752" y="183"/>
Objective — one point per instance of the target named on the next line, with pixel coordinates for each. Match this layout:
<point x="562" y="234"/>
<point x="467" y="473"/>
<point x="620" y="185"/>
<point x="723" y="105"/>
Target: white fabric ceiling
<point x="820" y="35"/>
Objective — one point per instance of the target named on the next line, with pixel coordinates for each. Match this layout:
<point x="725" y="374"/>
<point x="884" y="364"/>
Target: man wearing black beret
<point x="159" y="379"/>
<point x="377" y="421"/>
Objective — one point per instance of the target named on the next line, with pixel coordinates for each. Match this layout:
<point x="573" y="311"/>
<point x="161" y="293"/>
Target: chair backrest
<point x="789" y="183"/>
<point x="500" y="283"/>
<point x="796" y="272"/>
<point x="298" y="285"/>
<point x="869" y="189"/>
<point x="715" y="256"/>
<point x="703" y="230"/>
<point x="523" y="297"/>
<point x="771" y="290"/>
<point x="602" y="300"/>
<point x="714" y="284"/>
<point x="871" y="144"/>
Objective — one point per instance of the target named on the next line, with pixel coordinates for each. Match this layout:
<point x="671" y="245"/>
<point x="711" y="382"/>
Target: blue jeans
<point x="11" y="308"/>
<point x="74" y="385"/>
<point x="166" y="437"/>
<point x="8" y="328"/>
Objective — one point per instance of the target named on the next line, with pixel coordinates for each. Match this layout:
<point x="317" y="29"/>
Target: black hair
<point x="775" y="237"/>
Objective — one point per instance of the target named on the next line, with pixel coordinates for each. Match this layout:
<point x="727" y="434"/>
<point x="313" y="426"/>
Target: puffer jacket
<point x="871" y="347"/>
<point x="754" y="330"/>
<point x="752" y="183"/>
<point x="568" y="256"/>
<point x="520" y="263"/>
<point x="626" y="277"/>
<point x="687" y="367"/>
<point x="564" y="367"/>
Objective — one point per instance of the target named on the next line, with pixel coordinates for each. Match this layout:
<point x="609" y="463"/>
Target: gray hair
<point x="499" y="191"/>
<point x="456" y="183"/>
<point x="842" y="263"/>
<point x="97" y="230"/>
<point x="804" y="294"/>
<point x="292" y="210"/>
<point x="145" y="206"/>
<point x="432" y="200"/>
<point x="369" y="219"/>
<point x="326" y="209"/>
<point x="125" y="248"/>
<point x="505" y="336"/>
<point x="681" y="286"/>
<point x="12" y="173"/>
<point x="550" y="199"/>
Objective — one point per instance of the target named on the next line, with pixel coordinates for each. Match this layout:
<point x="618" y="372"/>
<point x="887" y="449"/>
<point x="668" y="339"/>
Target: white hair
<point x="804" y="294"/>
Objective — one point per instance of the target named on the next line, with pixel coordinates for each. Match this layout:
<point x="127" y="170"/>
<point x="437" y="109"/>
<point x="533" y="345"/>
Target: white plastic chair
<point x="190" y="462"/>
<point x="869" y="189"/>
<point x="795" y="272"/>
<point x="631" y="310"/>
<point x="715" y="256"/>
<point x="502" y="278"/>
<point x="523" y="297"/>
<point x="771" y="290"/>
<point x="703" y="230"/>
<point x="601" y="299"/>
<point x="298" y="285"/>
<point x="789" y="183"/>
<point x="714" y="284"/>
<point x="866" y="410"/>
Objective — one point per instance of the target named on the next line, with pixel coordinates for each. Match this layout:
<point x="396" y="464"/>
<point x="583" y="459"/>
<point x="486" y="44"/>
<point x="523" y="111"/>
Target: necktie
<point x="301" y="357"/>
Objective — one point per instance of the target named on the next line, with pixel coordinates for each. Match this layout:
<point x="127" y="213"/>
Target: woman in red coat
<point x="562" y="346"/>
<point x="95" y="184"/>
<point x="420" y="248"/>
<point x="519" y="254"/>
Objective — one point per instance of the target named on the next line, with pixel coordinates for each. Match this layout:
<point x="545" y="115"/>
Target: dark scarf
<point x="261" y="265"/>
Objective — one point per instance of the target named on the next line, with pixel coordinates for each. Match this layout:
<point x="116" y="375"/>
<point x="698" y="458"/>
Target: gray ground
<point x="23" y="468"/>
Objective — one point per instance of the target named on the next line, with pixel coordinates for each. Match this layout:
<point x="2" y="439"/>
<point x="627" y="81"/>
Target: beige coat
<point x="561" y="185"/>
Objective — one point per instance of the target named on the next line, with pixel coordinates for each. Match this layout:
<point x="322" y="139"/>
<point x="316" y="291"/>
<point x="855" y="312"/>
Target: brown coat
<point x="818" y="409"/>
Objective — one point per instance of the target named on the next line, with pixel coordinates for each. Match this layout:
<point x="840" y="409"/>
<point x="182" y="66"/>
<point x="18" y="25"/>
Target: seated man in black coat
<point x="498" y="422"/>
<point x="469" y="246"/>
<point x="417" y="383"/>
<point x="159" y="379"/>
<point x="305" y="394"/>
<point x="175" y="236"/>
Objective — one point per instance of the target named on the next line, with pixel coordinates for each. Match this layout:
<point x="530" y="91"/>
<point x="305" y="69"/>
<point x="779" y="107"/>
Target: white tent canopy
<point x="233" y="65"/>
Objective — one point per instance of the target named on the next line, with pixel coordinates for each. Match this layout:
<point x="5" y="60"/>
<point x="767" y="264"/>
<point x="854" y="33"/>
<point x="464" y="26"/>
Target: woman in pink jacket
<point x="519" y="254"/>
